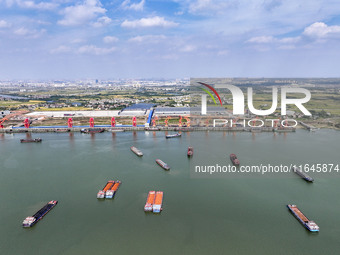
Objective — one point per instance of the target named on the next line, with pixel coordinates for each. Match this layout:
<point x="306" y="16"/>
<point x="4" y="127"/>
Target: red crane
<point x="27" y="123"/>
<point x="113" y="122"/>
<point x="2" y="121"/>
<point x="70" y="123"/>
<point x="91" y="122"/>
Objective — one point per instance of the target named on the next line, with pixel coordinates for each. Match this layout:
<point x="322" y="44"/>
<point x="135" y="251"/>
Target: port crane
<point x="91" y="122"/>
<point x="70" y="123"/>
<point x="7" y="117"/>
<point x="113" y="122"/>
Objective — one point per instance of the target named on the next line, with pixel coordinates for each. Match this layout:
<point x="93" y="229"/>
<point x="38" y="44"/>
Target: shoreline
<point x="45" y="129"/>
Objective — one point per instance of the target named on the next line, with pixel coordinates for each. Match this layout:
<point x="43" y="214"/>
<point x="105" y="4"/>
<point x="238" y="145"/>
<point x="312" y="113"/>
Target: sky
<point x="64" y="39"/>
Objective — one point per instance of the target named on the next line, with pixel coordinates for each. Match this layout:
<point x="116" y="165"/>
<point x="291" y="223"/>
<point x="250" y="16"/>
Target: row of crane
<point x="27" y="122"/>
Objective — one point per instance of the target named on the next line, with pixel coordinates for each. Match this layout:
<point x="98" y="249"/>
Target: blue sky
<point x="63" y="39"/>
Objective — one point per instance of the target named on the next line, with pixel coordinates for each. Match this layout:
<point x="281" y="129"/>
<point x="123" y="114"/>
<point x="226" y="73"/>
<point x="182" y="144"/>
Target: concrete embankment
<point x="117" y="129"/>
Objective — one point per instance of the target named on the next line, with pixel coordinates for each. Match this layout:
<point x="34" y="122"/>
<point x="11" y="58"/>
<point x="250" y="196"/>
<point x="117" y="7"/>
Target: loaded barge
<point x="162" y="164"/>
<point x="234" y="159"/>
<point x="111" y="192"/>
<point x="36" y="140"/>
<point x="157" y="206"/>
<point x="150" y="201"/>
<point x="138" y="152"/>
<point x="101" y="193"/>
<point x="30" y="221"/>
<point x="173" y="136"/>
<point x="309" y="224"/>
<point x="92" y="131"/>
<point x="190" y="152"/>
<point x="302" y="174"/>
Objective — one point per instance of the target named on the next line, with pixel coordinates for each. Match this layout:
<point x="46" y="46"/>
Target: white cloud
<point x="149" y="22"/>
<point x="261" y="39"/>
<point x="102" y="21"/>
<point x="29" y="33"/>
<point x="81" y="13"/>
<point x="29" y="4"/>
<point x="148" y="38"/>
<point x="110" y="39"/>
<point x="4" y="24"/>
<point x="188" y="48"/>
<point x="223" y="53"/>
<point x="134" y="6"/>
<point x="210" y="6"/>
<point x="38" y="6"/>
<point x="61" y="49"/>
<point x="22" y="31"/>
<point x="77" y="40"/>
<point x="321" y="30"/>
<point x="271" y="39"/>
<point x="91" y="49"/>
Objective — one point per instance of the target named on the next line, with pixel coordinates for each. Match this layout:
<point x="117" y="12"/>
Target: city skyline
<point x="168" y="38"/>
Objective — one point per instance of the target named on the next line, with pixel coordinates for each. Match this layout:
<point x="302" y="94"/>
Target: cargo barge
<point x="112" y="191"/>
<point x="302" y="174"/>
<point x="30" y="221"/>
<point x="138" y="152"/>
<point x="157" y="206"/>
<point x="173" y="136"/>
<point x="101" y="193"/>
<point x="162" y="164"/>
<point x="234" y="159"/>
<point x="190" y="152"/>
<point x="150" y="201"/>
<point x="91" y="131"/>
<point x="309" y="224"/>
<point x="36" y="140"/>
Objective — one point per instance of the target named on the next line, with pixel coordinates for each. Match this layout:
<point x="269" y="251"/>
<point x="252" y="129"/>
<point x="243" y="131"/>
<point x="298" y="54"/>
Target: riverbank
<point x="44" y="129"/>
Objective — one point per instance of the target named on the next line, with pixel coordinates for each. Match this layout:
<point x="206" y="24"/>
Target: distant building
<point x="141" y="109"/>
<point x="175" y="111"/>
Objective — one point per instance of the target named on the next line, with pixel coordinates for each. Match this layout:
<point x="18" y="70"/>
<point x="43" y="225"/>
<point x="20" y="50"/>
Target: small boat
<point x="157" y="206"/>
<point x="302" y="174"/>
<point x="138" y="152"/>
<point x="30" y="221"/>
<point x="309" y="224"/>
<point x="36" y="140"/>
<point x="173" y="135"/>
<point x="150" y="201"/>
<point x="190" y="151"/>
<point x="162" y="164"/>
<point x="91" y="131"/>
<point x="108" y="185"/>
<point x="234" y="159"/>
<point x="111" y="192"/>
